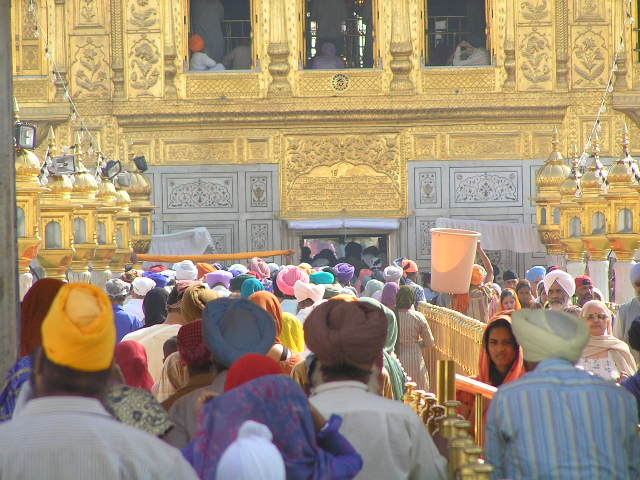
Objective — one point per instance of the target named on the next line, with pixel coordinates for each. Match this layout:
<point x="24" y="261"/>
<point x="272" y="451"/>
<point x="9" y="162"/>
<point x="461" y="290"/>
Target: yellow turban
<point x="292" y="335"/>
<point x="79" y="331"/>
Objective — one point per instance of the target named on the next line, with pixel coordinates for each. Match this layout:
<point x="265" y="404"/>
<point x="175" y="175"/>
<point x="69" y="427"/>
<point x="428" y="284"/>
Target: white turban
<point x="549" y="334"/>
<point x="392" y="273"/>
<point x="304" y="291"/>
<point x="635" y="273"/>
<point x="185" y="270"/>
<point x="252" y="456"/>
<point x="141" y="285"/>
<point x="565" y="280"/>
<point x="239" y="268"/>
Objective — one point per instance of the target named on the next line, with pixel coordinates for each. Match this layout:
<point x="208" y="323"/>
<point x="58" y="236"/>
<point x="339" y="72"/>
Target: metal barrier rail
<point x="482" y="392"/>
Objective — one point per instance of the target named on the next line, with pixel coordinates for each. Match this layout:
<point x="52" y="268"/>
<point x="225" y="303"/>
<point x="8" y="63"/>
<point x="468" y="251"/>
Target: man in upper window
<point x="470" y="52"/>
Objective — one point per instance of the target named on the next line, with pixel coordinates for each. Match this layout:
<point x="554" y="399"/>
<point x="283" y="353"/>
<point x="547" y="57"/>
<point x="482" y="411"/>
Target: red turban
<point x="250" y="367"/>
<point x="131" y="357"/>
<point x="33" y="309"/>
<point x="583" y="281"/>
<point x="196" y="43"/>
<point x="193" y="350"/>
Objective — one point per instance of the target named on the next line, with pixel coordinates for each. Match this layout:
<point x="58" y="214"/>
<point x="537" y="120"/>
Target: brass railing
<point x="481" y="392"/>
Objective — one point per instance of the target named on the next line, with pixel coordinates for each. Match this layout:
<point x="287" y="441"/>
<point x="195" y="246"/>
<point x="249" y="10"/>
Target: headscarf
<point x="251" y="286"/>
<point x="233" y="328"/>
<point x="191" y="346"/>
<point x="269" y="302"/>
<point x="392" y="273"/>
<point x="142" y="285"/>
<point x="174" y="376"/>
<point x="259" y="266"/>
<point x="322" y="278"/>
<point x="239" y="267"/>
<point x="117" y="288"/>
<point x="194" y="300"/>
<point x="204" y="268"/>
<point x="292" y="335"/>
<point x="564" y="280"/>
<point x="158" y="268"/>
<point x="250" y="367"/>
<point x="79" y="331"/>
<point x="277" y="402"/>
<point x="252" y="456"/>
<point x="391" y="362"/>
<point x="372" y="287"/>
<point x="478" y="274"/>
<point x="137" y="408"/>
<point x="514" y="295"/>
<point x="161" y="280"/>
<point x="130" y="275"/>
<point x="405" y="298"/>
<point x="549" y="334"/>
<point x="220" y="276"/>
<point x="344" y="272"/>
<point x="235" y="284"/>
<point x="185" y="270"/>
<point x="535" y="274"/>
<point x="196" y="43"/>
<point x="517" y="369"/>
<point x="389" y="294"/>
<point x="634" y="274"/>
<point x="305" y="291"/>
<point x="154" y="306"/>
<point x="131" y="357"/>
<point x="33" y="309"/>
<point x="287" y="278"/>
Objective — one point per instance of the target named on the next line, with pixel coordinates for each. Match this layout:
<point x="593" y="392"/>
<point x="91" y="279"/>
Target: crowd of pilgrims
<point x="266" y="371"/>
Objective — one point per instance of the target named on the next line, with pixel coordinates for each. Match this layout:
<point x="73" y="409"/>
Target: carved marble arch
<point x="445" y="24"/>
<point x="237" y="28"/>
<point x="355" y="38"/>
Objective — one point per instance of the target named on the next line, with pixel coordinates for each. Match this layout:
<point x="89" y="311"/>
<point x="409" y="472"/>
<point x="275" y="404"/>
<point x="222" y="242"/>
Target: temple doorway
<point x="327" y="249"/>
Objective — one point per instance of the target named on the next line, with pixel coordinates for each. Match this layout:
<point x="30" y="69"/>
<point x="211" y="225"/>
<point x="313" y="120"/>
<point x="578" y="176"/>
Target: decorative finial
<point x="51" y="141"/>
<point x="16" y="110"/>
<point x="555" y="139"/>
<point x="595" y="146"/>
<point x="78" y="149"/>
<point x="575" y="157"/>
<point x="625" y="141"/>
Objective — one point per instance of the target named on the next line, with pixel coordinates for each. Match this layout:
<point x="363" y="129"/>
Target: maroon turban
<point x="193" y="350"/>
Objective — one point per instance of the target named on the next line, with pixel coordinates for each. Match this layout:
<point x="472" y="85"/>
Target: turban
<point x="168" y="273"/>
<point x="635" y="273"/>
<point x="346" y="332"/>
<point x="287" y="278"/>
<point x="196" y="43"/>
<point x="252" y="455"/>
<point x="322" y="278"/>
<point x="477" y="275"/>
<point x="250" y="367"/>
<point x="564" y="280"/>
<point x="406" y="297"/>
<point x="161" y="280"/>
<point x="185" y="270"/>
<point x="269" y="302"/>
<point x="193" y="350"/>
<point x="235" y="284"/>
<point x="273" y="267"/>
<point x="204" y="268"/>
<point x="240" y="268"/>
<point x="371" y="287"/>
<point x="142" y="285"/>
<point x="584" y="281"/>
<point x="389" y="294"/>
<point x="130" y="275"/>
<point x="549" y="334"/>
<point x="154" y="306"/>
<point x="292" y="334"/>
<point x="221" y="276"/>
<point x="251" y="286"/>
<point x="131" y="357"/>
<point x="259" y="266"/>
<point x="194" y="300"/>
<point x="535" y="274"/>
<point x="344" y="272"/>
<point x="304" y="291"/>
<point x="392" y="273"/>
<point x="409" y="266"/>
<point x="117" y="288"/>
<point x="33" y="310"/>
<point x="79" y="331"/>
<point x="158" y="268"/>
<point x="233" y="328"/>
<point x="509" y="275"/>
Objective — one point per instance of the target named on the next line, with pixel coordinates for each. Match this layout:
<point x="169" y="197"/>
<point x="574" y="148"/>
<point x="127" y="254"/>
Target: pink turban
<point x="304" y="291"/>
<point x="288" y="277"/>
<point x="259" y="266"/>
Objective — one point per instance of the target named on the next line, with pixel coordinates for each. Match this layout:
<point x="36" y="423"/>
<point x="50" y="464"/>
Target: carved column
<point x="509" y="48"/>
<point x="562" y="44"/>
<point x="117" y="55"/>
<point x="621" y="50"/>
<point x="170" y="51"/>
<point x="401" y="49"/>
<point x="59" y="47"/>
<point x="278" y="50"/>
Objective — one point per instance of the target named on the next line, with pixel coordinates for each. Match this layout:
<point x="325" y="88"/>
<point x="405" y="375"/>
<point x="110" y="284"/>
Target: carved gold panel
<point x="199" y="152"/>
<point x="534" y="11"/>
<point x="590" y="61"/>
<point x="89" y="71"/>
<point x="344" y="82"/>
<point x="541" y="144"/>
<point x="459" y="80"/>
<point x="142" y="15"/>
<point x="590" y="11"/>
<point x="88" y="13"/>
<point x="144" y="65"/>
<point x="604" y="135"/>
<point x="426" y="147"/>
<point x="32" y="90"/>
<point x="222" y="84"/>
<point x="478" y="145"/>
<point x="258" y="150"/>
<point x="337" y="175"/>
<point x="535" y="58"/>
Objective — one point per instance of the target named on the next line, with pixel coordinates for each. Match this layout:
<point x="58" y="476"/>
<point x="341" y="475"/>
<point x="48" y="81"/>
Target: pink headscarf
<point x="288" y="277"/>
<point x="389" y="294"/>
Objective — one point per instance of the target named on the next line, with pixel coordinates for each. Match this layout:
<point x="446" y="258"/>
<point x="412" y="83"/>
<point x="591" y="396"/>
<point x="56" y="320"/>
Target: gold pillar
<point x="401" y="49"/>
<point x="141" y="208"/>
<point x="278" y="50"/>
<point x="105" y="228"/>
<point x="122" y="225"/>
<point x="570" y="221"/>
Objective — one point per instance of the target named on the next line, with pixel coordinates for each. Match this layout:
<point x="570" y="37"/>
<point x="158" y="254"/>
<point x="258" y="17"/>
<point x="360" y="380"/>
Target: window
<point x="556" y="216"/>
<point x="456" y="33"/>
<point x="543" y="216"/>
<point x="119" y="239"/>
<point x="79" y="230"/>
<point x="102" y="233"/>
<point x="52" y="235"/>
<point x="144" y="226"/>
<point x="598" y="224"/>
<point x="224" y="39"/>
<point x="575" y="227"/>
<point x="339" y="34"/>
<point x="133" y="227"/>
<point x="625" y="221"/>
<point x="20" y="222"/>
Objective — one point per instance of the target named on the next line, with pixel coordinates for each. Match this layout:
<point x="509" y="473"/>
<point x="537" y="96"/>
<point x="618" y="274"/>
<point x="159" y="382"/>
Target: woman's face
<point x="509" y="302"/>
<point x="597" y="319"/>
<point x="502" y="348"/>
<point x="524" y="295"/>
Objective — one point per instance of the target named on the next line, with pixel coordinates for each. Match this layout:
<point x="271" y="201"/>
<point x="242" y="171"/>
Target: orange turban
<point x="196" y="43"/>
<point x="204" y="268"/>
<point x="79" y="331"/>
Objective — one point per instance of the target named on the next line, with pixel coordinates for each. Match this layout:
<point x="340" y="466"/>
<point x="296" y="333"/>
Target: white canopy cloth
<point x="187" y="242"/>
<point x="338" y="223"/>
<point x="517" y="237"/>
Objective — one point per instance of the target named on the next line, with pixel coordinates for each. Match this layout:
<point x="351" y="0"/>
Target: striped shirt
<point x="559" y="422"/>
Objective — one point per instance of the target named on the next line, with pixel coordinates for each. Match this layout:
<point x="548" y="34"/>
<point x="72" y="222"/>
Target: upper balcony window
<point x="339" y="34"/>
<point x="220" y="36"/>
<point x="456" y="33"/>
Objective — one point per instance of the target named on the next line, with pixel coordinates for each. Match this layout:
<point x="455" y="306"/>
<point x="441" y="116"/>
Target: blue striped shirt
<point x="559" y="422"/>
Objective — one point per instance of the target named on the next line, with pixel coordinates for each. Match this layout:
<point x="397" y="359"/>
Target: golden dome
<point x="83" y="181"/>
<point x="555" y="169"/>
<point x="122" y="198"/>
<point x="621" y="173"/>
<point x="59" y="184"/>
<point x="27" y="163"/>
<point x="592" y="182"/>
<point x="570" y="186"/>
<point x="107" y="191"/>
<point x="140" y="185"/>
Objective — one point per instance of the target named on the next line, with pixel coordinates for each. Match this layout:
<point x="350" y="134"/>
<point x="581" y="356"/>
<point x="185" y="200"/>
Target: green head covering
<point x="322" y="278"/>
<point x="406" y="298"/>
<point x="235" y="285"/>
<point x="391" y="362"/>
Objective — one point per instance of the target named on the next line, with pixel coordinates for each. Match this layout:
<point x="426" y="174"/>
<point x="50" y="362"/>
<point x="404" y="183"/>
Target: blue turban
<point x="535" y="273"/>
<point x="322" y="278"/>
<point x="161" y="280"/>
<point x="251" y="286"/>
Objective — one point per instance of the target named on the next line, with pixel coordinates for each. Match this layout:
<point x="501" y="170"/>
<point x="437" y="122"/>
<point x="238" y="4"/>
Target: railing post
<point x="446" y="381"/>
<point x="479" y="407"/>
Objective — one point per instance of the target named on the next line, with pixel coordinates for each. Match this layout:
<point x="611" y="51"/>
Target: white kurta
<point x="64" y="437"/>
<point x="153" y="339"/>
<point x="133" y="306"/>
<point x="390" y="437"/>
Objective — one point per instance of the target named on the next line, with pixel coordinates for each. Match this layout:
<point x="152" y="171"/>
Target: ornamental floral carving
<point x="486" y="187"/>
<point x="258" y="190"/>
<point x="143" y="15"/>
<point x="425" y="227"/>
<point x="89" y="70"/>
<point x="536" y="66"/>
<point x="590" y="56"/>
<point x="88" y="11"/>
<point x="201" y="194"/>
<point x="259" y="237"/>
<point x="534" y="10"/>
<point x="145" y="64"/>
